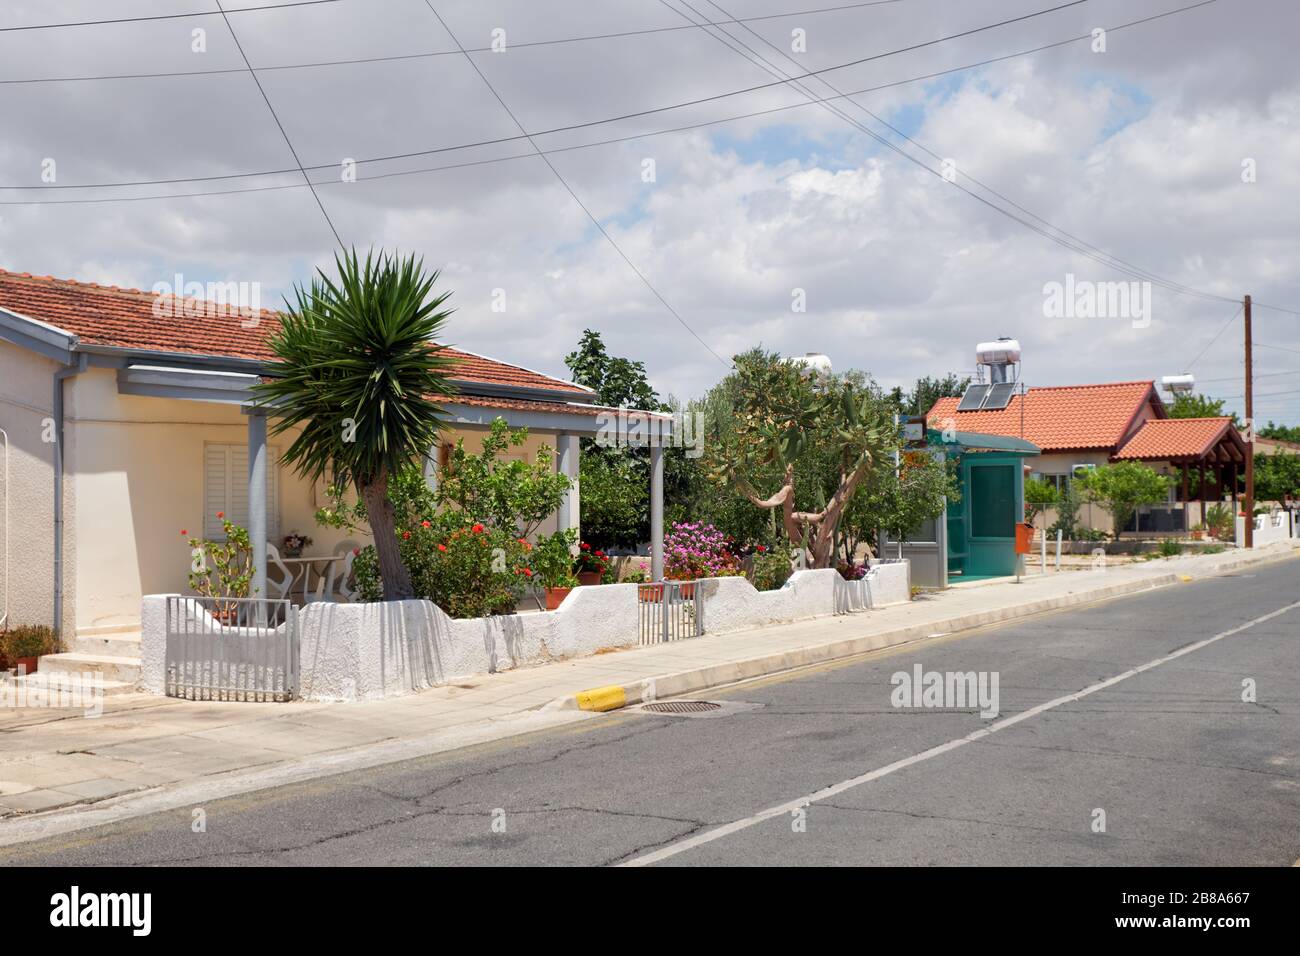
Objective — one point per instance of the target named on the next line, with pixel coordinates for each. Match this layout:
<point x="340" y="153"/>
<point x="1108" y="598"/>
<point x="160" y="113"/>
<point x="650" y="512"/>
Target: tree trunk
<point x="396" y="579"/>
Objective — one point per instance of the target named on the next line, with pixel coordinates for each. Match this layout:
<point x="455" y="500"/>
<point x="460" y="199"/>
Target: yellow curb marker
<point x="1184" y="578"/>
<point x="601" y="698"/>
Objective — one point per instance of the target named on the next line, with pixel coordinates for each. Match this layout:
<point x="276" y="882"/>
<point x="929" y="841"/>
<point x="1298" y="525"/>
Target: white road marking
<point x="826" y="793"/>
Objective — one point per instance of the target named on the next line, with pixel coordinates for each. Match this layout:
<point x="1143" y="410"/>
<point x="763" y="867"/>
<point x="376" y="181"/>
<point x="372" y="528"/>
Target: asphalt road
<point x="1185" y="771"/>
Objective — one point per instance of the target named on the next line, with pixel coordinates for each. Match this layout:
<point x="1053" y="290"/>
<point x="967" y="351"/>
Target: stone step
<point x="43" y="681"/>
<point x="123" y="644"/>
<point x="108" y="668"/>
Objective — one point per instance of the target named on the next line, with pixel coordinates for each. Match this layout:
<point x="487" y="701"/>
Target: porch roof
<point x="1184" y="439"/>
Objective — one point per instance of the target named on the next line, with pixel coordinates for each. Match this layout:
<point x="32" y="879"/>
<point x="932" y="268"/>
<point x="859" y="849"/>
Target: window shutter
<point x="225" y="489"/>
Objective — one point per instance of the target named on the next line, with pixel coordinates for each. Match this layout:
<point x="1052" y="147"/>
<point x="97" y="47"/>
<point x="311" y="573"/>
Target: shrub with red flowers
<point x="590" y="559"/>
<point x="694" y="550"/>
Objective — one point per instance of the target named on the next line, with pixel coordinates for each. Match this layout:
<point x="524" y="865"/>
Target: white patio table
<point x="301" y="568"/>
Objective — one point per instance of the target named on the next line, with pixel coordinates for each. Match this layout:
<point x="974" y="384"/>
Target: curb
<point x="617" y="696"/>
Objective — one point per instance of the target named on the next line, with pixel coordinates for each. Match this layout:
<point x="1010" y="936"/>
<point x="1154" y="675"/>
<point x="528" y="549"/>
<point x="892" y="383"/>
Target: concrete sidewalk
<point x="148" y="753"/>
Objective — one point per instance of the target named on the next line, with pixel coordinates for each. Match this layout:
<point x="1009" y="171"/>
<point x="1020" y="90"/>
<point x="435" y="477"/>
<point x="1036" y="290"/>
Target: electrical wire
<point x="563" y="182"/>
<point x="162" y="16"/>
<point x="561" y="129"/>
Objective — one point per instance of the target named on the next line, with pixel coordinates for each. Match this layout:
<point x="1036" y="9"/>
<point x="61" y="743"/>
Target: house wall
<point x="27" y="489"/>
<point x="1054" y="463"/>
<point x="139" y="478"/>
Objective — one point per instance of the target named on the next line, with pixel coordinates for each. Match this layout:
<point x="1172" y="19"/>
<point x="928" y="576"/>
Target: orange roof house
<point x="125" y="417"/>
<point x="1085" y="425"/>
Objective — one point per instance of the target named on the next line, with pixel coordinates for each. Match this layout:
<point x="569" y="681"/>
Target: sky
<point x="1175" y="149"/>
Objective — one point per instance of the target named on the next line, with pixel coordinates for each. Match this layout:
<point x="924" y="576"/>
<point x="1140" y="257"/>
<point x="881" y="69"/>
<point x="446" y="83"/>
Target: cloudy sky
<point x="1133" y="153"/>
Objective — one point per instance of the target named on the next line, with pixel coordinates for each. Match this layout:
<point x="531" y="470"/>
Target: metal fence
<point x="669" y="611"/>
<point x="233" y="649"/>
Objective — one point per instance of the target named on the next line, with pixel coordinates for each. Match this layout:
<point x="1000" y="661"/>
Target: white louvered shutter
<point x="225" y="489"/>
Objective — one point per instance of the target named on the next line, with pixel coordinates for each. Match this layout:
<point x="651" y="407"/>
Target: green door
<point x="991" y="503"/>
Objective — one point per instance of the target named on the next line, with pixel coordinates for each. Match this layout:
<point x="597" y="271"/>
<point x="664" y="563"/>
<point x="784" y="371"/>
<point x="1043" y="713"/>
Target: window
<point x="1060" y="482"/>
<point x="225" y="489"/>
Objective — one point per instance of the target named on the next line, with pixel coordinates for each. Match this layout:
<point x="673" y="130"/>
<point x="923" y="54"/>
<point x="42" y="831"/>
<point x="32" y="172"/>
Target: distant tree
<point x="1123" y="487"/>
<point x="927" y="391"/>
<point x="617" y="381"/>
<point x="1277" y="477"/>
<point x="1280" y="432"/>
<point x="1039" y="496"/>
<point x="614" y="483"/>
<point x="1191" y="405"/>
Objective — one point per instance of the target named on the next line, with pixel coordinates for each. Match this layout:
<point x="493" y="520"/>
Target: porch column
<point x="566" y="447"/>
<point x="257" y="499"/>
<point x="1200" y="468"/>
<point x="656" y="512"/>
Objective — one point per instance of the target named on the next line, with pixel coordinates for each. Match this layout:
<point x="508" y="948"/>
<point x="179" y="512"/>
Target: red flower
<point x="356" y="551"/>
<point x="442" y="547"/>
<point x="477" y="529"/>
<point x="221" y="514"/>
<point x="528" y="572"/>
<point x="405" y="535"/>
<point x="426" y="523"/>
<point x="761" y="549"/>
<point x="184" y="532"/>
<point x="584" y="546"/>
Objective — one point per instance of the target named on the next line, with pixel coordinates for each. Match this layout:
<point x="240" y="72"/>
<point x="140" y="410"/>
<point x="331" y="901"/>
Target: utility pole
<point x="1250" y="437"/>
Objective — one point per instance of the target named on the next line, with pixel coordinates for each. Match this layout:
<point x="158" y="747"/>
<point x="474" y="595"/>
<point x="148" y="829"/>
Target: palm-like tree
<point x="359" y="371"/>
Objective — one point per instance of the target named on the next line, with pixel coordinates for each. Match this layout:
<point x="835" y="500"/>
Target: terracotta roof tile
<point x="1165" y="438"/>
<point x="136" y="320"/>
<point x="1059" y="418"/>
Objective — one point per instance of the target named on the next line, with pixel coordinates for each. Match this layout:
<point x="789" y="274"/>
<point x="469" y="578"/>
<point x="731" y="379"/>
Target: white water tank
<point x="1178" y="384"/>
<point x="1001" y="352"/>
<point x="814" y="363"/>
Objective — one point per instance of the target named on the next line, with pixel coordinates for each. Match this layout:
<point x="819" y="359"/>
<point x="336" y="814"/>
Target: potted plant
<point x="293" y="543"/>
<point x="693" y="550"/>
<point x="552" y="564"/>
<point x="222" y="570"/>
<point x="23" y="646"/>
<point x="1198" y="531"/>
<point x="590" y="565"/>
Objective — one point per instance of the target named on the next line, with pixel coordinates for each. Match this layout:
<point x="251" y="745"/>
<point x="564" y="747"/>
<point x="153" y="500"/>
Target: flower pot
<point x="292" y="552"/>
<point x="26" y="662"/>
<point x="588" y="578"/>
<point x="687" y="589"/>
<point x="649" y="593"/>
<point x="555" y="596"/>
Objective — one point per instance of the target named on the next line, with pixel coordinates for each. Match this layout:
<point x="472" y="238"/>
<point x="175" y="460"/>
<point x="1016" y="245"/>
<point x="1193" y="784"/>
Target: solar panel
<point x="999" y="396"/>
<point x="974" y="398"/>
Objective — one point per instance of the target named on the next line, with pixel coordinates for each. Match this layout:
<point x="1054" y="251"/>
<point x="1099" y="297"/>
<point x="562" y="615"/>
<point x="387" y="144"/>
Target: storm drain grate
<point x="681" y="706"/>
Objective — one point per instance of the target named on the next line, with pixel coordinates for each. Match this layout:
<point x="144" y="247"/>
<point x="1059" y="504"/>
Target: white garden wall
<point x="370" y="651"/>
<point x="1268" y="529"/>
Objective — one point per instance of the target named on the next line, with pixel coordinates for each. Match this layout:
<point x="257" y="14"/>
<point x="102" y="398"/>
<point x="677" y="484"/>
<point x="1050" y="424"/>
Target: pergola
<point x="1209" y="446"/>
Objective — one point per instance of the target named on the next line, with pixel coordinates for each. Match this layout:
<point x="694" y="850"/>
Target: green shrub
<point x="1169" y="548"/>
<point x="551" y="560"/>
<point x="772" y="567"/>
<point x="29" y="640"/>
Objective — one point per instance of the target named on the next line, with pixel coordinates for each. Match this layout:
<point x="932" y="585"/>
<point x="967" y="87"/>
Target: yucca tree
<point x="359" y="372"/>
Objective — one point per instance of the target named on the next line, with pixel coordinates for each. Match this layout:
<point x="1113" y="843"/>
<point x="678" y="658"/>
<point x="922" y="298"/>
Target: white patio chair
<point x="347" y="592"/>
<point x="277" y="589"/>
<point x="344" y="554"/>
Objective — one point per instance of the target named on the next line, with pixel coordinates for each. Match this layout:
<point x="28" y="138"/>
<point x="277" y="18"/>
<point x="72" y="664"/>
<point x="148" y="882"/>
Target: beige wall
<point x="27" y="488"/>
<point x="134" y="480"/>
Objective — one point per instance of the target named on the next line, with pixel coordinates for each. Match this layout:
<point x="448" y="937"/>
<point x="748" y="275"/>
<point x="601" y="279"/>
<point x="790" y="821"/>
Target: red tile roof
<point x="132" y="319"/>
<point x="1060" y="418"/>
<point x="1164" y="438"/>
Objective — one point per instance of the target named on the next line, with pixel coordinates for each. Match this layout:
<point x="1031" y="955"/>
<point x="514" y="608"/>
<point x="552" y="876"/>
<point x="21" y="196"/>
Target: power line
<point x="1232" y="318"/>
<point x="253" y="73"/>
<point x="827" y="83"/>
<point x="163" y="16"/>
<point x="1070" y="243"/>
<point x="1277" y="348"/>
<point x="570" y="127"/>
<point x="563" y="182"/>
<point x="604" y="142"/>
<point x="435" y="53"/>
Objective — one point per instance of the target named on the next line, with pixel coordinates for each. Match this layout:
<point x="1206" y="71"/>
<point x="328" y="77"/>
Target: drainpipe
<point x="59" y="378"/>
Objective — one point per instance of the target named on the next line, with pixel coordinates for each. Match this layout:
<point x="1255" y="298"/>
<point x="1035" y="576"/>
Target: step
<point x="106" y="667"/>
<point x="124" y="644"/>
<point x="40" y="682"/>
